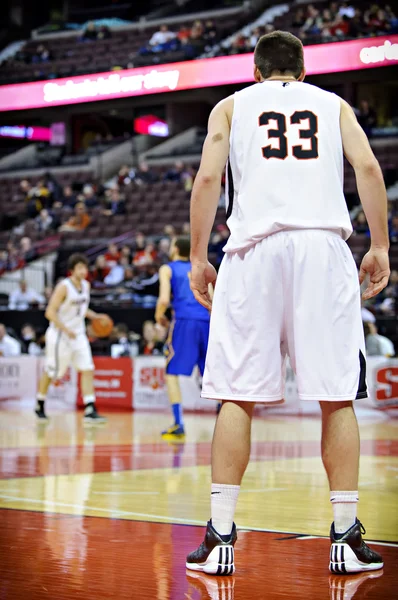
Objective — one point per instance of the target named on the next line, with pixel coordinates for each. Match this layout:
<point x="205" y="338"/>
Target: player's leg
<point x="82" y="360"/>
<point x="175" y="399"/>
<point x="243" y="366"/>
<point x="56" y="362"/>
<point x="325" y="339"/>
<point x="181" y="353"/>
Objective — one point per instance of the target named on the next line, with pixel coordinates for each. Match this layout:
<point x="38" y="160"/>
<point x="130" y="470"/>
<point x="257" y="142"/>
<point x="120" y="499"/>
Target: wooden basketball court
<point x="112" y="511"/>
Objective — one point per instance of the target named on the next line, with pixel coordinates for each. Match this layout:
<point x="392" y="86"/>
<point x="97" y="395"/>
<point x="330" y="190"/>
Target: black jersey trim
<point x="231" y="190"/>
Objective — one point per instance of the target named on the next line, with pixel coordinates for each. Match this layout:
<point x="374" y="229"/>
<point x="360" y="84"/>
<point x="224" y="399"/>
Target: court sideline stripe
<point x="167" y="520"/>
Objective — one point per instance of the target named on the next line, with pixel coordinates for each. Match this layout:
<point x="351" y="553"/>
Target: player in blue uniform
<point x="186" y="346"/>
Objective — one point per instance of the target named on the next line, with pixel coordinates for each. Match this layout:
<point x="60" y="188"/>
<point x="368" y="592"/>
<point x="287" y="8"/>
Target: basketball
<point x="102" y="326"/>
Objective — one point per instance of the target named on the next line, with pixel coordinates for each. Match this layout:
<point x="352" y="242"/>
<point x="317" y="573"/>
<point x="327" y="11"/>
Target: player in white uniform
<point x="66" y="340"/>
<point x="288" y="284"/>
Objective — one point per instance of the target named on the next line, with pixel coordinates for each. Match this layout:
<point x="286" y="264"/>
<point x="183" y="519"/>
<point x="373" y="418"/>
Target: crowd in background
<point x="193" y="40"/>
<point x="339" y="21"/>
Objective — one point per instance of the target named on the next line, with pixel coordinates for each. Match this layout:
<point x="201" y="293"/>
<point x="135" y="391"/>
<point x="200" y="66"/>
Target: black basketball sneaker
<point x="215" y="555"/>
<point x="350" y="554"/>
<point x="91" y="415"/>
<point x="40" y="412"/>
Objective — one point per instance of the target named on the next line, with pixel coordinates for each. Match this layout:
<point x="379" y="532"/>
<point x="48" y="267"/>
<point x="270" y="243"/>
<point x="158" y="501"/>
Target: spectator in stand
<point x="41" y="54"/>
<point x="14" y="259"/>
<point x="238" y="45"/>
<point x="29" y="339"/>
<point x="90" y="33"/>
<point x="357" y="25"/>
<point x="377" y="345"/>
<point x="112" y="255"/>
<point x="23" y="297"/>
<point x="218" y="242"/>
<point x="149" y="344"/>
<point x="68" y="198"/>
<point x="360" y="224"/>
<point x="177" y="173"/>
<point x="164" y="251"/>
<point x="210" y="32"/>
<point x="340" y="27"/>
<point x="146" y="256"/>
<point x="89" y="197"/>
<point x="9" y="346"/>
<point x="33" y="205"/>
<point x="313" y="22"/>
<point x="184" y="33"/>
<point x="346" y="10"/>
<point x="104" y="33"/>
<point x="115" y="205"/>
<point x="26" y="249"/>
<point x="42" y="193"/>
<point x="53" y="187"/>
<point x="116" y="274"/>
<point x="161" y="41"/>
<point x="3" y="261"/>
<point x="169" y="231"/>
<point x="80" y="220"/>
<point x="100" y="271"/>
<point x="367" y="117"/>
<point x="44" y="221"/>
<point x="299" y="19"/>
<point x="126" y="253"/>
<point x="124" y="176"/>
<point x="139" y="242"/>
<point x="394" y="230"/>
<point x="48" y="292"/>
<point x="144" y="174"/>
<point x="145" y="285"/>
<point x="254" y="37"/>
<point x="388" y="306"/>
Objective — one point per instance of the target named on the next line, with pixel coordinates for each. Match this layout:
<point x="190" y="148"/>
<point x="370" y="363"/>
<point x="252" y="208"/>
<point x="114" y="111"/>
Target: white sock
<point x="344" y="509"/>
<point x="89" y="399"/>
<point x="223" y="505"/>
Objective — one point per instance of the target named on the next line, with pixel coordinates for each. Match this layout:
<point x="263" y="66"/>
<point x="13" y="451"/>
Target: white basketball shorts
<point x="295" y="293"/>
<point x="63" y="352"/>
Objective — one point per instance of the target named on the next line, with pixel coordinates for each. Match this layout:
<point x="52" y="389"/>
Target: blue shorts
<point x="186" y="346"/>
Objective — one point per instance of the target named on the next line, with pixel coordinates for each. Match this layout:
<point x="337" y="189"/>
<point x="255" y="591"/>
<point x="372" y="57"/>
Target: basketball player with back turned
<point x="189" y="331"/>
<point x="66" y="340"/>
<point x="288" y="284"/>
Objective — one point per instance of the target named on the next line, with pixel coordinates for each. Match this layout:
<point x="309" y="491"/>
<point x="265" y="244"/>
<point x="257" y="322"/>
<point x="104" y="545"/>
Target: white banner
<point x="149" y="387"/>
<point x="18" y="380"/>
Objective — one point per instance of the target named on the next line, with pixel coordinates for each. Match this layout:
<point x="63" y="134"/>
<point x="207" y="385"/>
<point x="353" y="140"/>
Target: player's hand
<point x="376" y="265"/>
<point x="203" y="274"/>
<point x="71" y="334"/>
<point x="163" y="321"/>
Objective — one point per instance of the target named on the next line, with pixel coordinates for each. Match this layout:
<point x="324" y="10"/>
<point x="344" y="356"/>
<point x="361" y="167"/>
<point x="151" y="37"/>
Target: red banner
<point x="112" y="383"/>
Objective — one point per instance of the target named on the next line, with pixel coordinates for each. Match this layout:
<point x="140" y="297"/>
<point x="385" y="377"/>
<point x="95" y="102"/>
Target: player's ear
<point x="302" y="75"/>
<point x="257" y="74"/>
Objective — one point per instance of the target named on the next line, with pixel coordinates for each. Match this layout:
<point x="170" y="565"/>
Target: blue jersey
<point x="183" y="301"/>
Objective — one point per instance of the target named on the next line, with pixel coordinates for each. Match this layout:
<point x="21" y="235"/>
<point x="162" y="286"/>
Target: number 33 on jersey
<point x="277" y="123"/>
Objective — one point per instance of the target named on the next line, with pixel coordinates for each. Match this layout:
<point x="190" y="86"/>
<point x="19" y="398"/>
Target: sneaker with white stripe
<point x="215" y="555"/>
<point x="350" y="554"/>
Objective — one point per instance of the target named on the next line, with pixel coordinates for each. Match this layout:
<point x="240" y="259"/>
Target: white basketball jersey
<point x="73" y="309"/>
<point x="285" y="168"/>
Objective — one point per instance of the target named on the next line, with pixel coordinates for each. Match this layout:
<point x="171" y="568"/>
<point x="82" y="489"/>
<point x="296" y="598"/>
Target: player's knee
<point x="331" y="407"/>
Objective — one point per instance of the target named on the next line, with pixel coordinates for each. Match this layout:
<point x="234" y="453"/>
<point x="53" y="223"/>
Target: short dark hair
<point x="280" y="52"/>
<point x="76" y="259"/>
<point x="183" y="244"/>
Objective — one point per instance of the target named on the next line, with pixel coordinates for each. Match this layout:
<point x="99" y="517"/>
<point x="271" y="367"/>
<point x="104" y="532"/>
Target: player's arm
<point x="164" y="299"/>
<point x="91" y="314"/>
<point x="205" y="196"/>
<point x="373" y="196"/>
<point x="51" y="313"/>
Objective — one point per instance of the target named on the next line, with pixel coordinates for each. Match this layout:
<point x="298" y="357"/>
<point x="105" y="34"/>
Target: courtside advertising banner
<point x="18" y="381"/>
<point x="150" y="392"/>
<point x="112" y="383"/>
<point x="140" y="384"/>
<point x="334" y="57"/>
